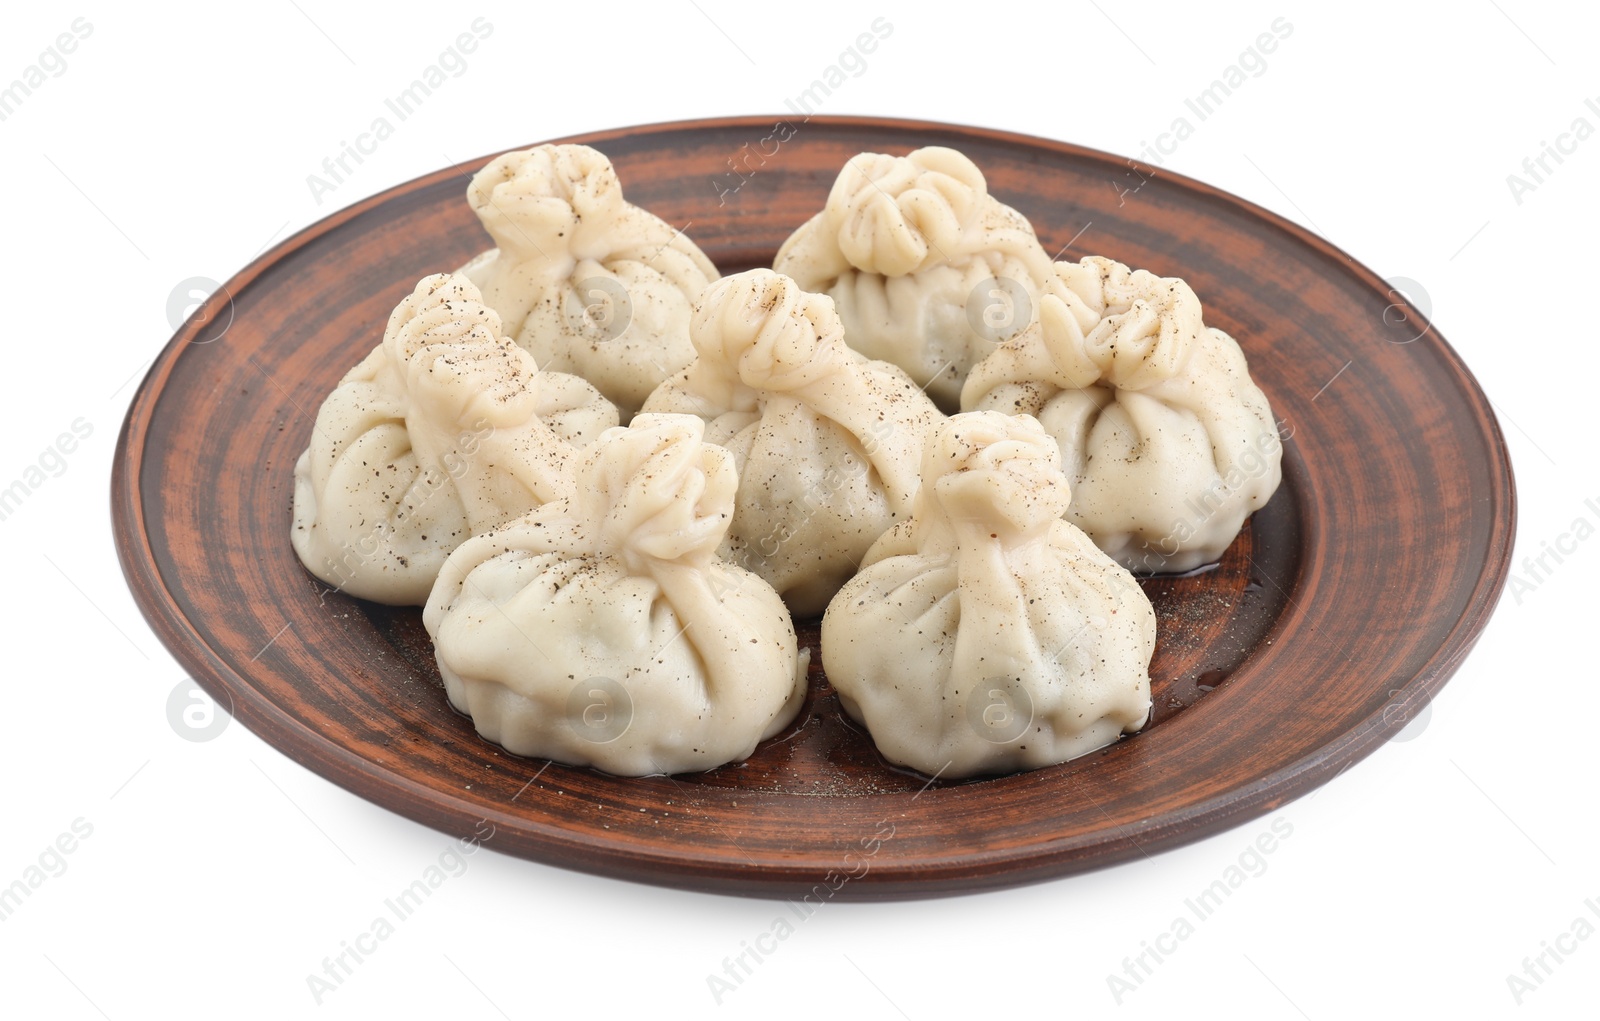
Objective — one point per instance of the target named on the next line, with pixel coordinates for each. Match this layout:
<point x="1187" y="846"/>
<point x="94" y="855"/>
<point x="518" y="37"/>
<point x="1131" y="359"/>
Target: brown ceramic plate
<point x="1344" y="606"/>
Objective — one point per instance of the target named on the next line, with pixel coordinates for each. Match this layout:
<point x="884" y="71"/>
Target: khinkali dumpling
<point x="827" y="442"/>
<point x="603" y="629"/>
<point x="588" y="282"/>
<point x="445" y="429"/>
<point x="1167" y="441"/>
<point x="986" y="634"/>
<point x="928" y="270"/>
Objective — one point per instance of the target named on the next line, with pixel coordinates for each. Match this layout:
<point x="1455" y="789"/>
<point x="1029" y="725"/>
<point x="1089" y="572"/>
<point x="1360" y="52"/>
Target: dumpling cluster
<point x="613" y="477"/>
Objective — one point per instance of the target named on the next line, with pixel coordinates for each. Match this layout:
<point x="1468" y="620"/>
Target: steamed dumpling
<point x="445" y="429"/>
<point x="986" y="634"/>
<point x="928" y="270"/>
<point x="604" y="630"/>
<point x="1167" y="441"/>
<point x="827" y="443"/>
<point x="586" y="281"/>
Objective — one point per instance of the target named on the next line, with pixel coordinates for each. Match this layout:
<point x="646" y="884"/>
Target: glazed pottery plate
<point x="1341" y="609"/>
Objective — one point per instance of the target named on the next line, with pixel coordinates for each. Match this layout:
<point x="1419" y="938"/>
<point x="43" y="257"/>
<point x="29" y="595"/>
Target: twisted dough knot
<point x="773" y="334"/>
<point x="985" y="466"/>
<point x="552" y="191"/>
<point x="1137" y="329"/>
<point x="657" y="491"/>
<point x="442" y="308"/>
<point x="447" y="345"/>
<point x="894" y="215"/>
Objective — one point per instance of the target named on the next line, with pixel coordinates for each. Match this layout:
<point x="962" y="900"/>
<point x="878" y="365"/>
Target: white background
<point x="219" y="875"/>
